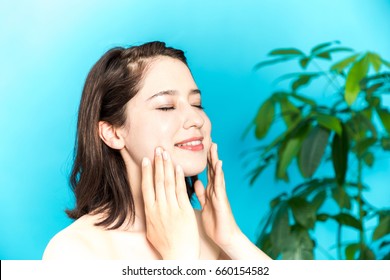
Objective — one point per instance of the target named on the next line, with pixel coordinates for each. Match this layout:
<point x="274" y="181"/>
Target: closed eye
<point x="166" y="108"/>
<point x="199" y="106"/>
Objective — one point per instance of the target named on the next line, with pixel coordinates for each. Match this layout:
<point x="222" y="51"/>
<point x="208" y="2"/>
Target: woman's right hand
<point x="171" y="225"/>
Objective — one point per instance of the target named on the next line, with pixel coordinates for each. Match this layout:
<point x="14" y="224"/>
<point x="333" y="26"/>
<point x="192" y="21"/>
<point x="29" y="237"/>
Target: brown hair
<point x="99" y="178"/>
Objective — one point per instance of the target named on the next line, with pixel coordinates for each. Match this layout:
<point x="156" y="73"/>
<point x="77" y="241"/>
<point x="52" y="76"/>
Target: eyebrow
<point x="172" y="92"/>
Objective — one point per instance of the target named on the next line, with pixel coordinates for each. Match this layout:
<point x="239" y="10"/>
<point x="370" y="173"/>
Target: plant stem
<point x="339" y="241"/>
<point x="360" y="202"/>
<point x="331" y="81"/>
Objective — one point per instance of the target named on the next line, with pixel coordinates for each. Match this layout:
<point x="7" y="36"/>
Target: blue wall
<point x="47" y="48"/>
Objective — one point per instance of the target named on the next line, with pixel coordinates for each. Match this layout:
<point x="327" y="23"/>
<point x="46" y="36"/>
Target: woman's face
<point x="167" y="112"/>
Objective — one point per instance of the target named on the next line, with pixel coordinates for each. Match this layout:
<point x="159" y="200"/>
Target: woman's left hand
<point x="217" y="215"/>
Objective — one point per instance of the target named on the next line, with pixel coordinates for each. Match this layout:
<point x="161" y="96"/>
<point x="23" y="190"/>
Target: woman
<point x="142" y="138"/>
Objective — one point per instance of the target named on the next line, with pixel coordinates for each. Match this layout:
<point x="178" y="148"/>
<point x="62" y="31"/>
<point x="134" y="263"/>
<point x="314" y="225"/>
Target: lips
<point x="191" y="144"/>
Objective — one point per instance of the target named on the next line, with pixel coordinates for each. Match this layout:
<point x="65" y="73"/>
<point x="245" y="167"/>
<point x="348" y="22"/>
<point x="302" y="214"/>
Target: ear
<point x="109" y="134"/>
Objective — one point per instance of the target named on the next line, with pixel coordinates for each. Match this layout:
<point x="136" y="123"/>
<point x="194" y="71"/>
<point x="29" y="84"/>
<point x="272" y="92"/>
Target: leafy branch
<point x="314" y="133"/>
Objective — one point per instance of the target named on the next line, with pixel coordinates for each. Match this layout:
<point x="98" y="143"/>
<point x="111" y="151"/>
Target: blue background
<point x="48" y="47"/>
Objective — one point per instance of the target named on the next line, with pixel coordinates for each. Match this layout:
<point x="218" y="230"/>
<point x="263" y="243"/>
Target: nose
<point x="193" y="117"/>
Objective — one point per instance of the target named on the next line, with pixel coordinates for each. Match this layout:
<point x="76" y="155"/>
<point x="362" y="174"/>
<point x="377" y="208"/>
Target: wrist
<point x="236" y="239"/>
<point x="241" y="248"/>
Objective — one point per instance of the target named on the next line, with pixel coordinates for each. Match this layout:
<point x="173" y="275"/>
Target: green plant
<point x="343" y="133"/>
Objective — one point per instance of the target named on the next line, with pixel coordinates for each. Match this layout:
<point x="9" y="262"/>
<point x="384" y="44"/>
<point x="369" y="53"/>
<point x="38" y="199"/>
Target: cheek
<point x="147" y="137"/>
<point x="207" y="132"/>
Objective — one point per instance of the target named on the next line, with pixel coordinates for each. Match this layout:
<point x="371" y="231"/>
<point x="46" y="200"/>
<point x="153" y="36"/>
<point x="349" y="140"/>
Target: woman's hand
<point x="217" y="215"/>
<point x="171" y="225"/>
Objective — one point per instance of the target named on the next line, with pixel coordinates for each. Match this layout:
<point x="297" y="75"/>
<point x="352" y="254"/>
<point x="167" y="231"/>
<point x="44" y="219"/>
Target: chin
<point x="193" y="169"/>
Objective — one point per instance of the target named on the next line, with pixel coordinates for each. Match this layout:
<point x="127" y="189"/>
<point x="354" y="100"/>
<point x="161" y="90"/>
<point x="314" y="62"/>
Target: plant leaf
<point x="329" y="122"/>
<point x="384" y="115"/>
<point x="304" y="213"/>
<point x="326" y="54"/>
<point x="289" y="150"/>
<point x="257" y="172"/>
<point x="298" y="254"/>
<point x="340" y="151"/>
<point x="306" y="100"/>
<point x="341" y="197"/>
<point x="359" y="125"/>
<point x="341" y="65"/>
<point x="382" y="229"/>
<point x="304" y="62"/>
<point x="350" y="250"/>
<point x="385" y="143"/>
<point x="387" y="256"/>
<point x="375" y="61"/>
<point x="280" y="229"/>
<point x="322" y="217"/>
<point x="363" y="145"/>
<point x="290" y="112"/>
<point x="272" y="61"/>
<point x="247" y="129"/>
<point x="275" y="202"/>
<point x="352" y="85"/>
<point x="322" y="46"/>
<point x="312" y="151"/>
<point x="286" y="154"/>
<point x="264" y="118"/>
<point x="302" y="80"/>
<point x="369" y="159"/>
<point x="367" y="254"/>
<point x="383" y="244"/>
<point x="301" y="245"/>
<point x="318" y="200"/>
<point x="286" y="51"/>
<point x="348" y="220"/>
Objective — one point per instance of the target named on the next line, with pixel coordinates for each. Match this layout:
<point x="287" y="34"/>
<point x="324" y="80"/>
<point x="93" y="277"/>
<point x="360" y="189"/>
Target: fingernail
<point x="178" y="169"/>
<point x="145" y="161"/>
<point x="216" y="147"/>
<point x="165" y="155"/>
<point x="221" y="163"/>
<point x="158" y="151"/>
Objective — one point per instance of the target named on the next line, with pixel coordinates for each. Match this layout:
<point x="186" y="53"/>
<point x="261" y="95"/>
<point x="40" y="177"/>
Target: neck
<point x="140" y="220"/>
<point x="134" y="178"/>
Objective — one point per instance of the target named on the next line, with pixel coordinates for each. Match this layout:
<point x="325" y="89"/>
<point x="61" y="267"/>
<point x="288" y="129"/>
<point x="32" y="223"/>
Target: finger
<point x="159" y="176"/>
<point x="181" y="189"/>
<point x="219" y="180"/>
<point x="169" y="179"/>
<point x="210" y="168"/>
<point x="200" y="192"/>
<point x="214" y="156"/>
<point x="147" y="182"/>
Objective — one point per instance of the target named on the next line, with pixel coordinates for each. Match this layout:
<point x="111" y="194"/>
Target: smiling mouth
<point x="195" y="145"/>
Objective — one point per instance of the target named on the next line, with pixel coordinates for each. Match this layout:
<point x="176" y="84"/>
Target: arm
<point x="217" y="215"/>
<point x="242" y="248"/>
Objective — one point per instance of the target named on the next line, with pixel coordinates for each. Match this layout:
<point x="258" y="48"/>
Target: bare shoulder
<point x="73" y="242"/>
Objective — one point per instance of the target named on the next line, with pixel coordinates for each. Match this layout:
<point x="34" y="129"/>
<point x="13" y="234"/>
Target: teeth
<point x="192" y="143"/>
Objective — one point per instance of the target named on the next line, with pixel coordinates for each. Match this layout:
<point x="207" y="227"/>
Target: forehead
<point x="166" y="73"/>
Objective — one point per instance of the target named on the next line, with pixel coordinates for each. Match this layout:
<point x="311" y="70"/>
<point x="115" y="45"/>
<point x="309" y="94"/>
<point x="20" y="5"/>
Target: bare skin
<point x="83" y="240"/>
<point x="160" y="237"/>
<point x="166" y="111"/>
